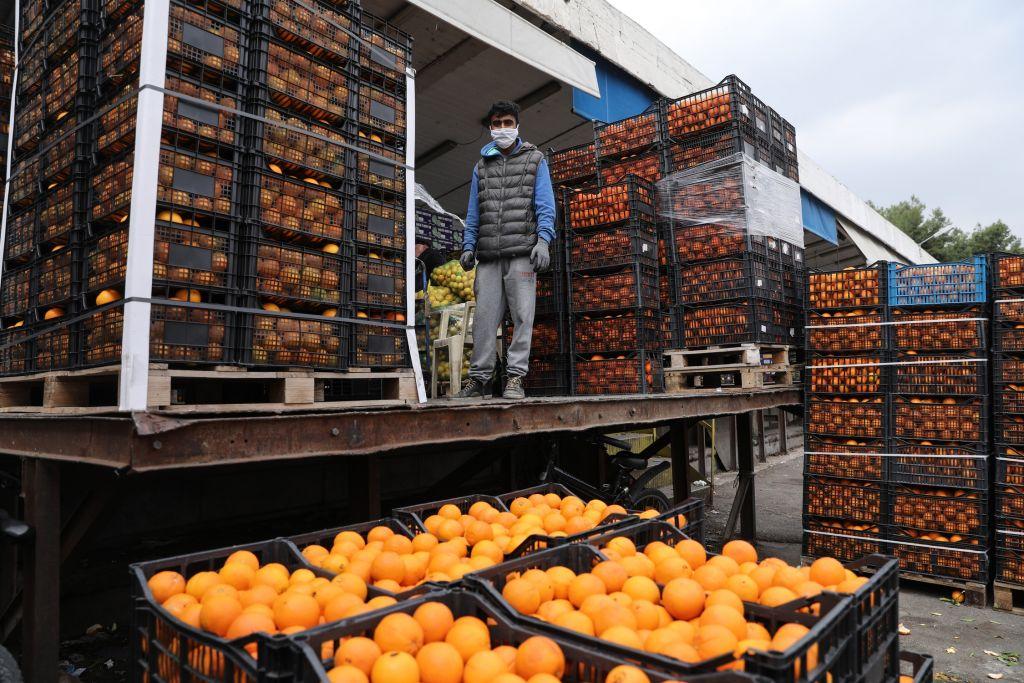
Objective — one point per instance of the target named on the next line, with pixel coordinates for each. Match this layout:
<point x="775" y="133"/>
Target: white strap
<point x="909" y="362"/>
<point x="903" y="455"/>
<point x="895" y="322"/>
<point x="882" y="540"/>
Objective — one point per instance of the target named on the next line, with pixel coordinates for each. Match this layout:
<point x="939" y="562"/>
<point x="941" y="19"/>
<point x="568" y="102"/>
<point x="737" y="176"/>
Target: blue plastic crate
<point x="936" y="284"/>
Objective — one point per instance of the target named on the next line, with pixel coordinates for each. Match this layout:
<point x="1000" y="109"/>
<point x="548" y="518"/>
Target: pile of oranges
<point x="675" y="600"/>
<point x="243" y="598"/>
<point x="454" y="543"/>
<point x="431" y="645"/>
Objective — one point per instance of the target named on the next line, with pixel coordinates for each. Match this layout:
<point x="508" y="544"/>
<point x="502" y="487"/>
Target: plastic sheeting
<point x="737" y="193"/>
<point x="818" y="218"/>
<point x="424" y="197"/>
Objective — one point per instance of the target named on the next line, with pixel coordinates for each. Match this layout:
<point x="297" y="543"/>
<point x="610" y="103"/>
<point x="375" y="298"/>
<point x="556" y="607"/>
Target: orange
<point x="641" y="588"/>
<point x="398" y="544"/>
<point x="249" y="622"/>
<point x="595" y="603"/>
<point x="693" y="552"/>
<point x="623" y="545"/>
<point x="646" y="613"/>
<point x="613" y="615"/>
<point x="740" y="551"/>
<point x="435" y="619"/>
<point x="479" y="531"/>
<point x="710" y="577"/>
<point x="201" y="582"/>
<point x="827" y="571"/>
<point x="661" y="638"/>
<point x="165" y="584"/>
<point x="399" y="632"/>
<point x="685" y="628"/>
<point x="388" y="565"/>
<point x="659" y="551"/>
<point x="625" y="673"/>
<point x="748" y="644"/>
<point x="238" y="575"/>
<point x="261" y="594"/>
<point x="360" y="652"/>
<point x="176" y="604"/>
<point x="776" y="595"/>
<point x="683" y="598"/>
<point x="351" y="583"/>
<point x="787" y="577"/>
<point x="728" y="565"/>
<point x="612" y="575"/>
<point x="346" y="673"/>
<point x="744" y="587"/>
<point x="714" y="640"/>
<point x="449" y="529"/>
<point x="583" y="586"/>
<point x="807" y="589"/>
<point x="724" y="596"/>
<point x="257" y="608"/>
<point x="295" y="609"/>
<point x="450" y="511"/>
<point x="424" y="542"/>
<point x="301" y="576"/>
<point x="575" y="621"/>
<point x="439" y="663"/>
<point x="508" y="653"/>
<point x="763" y="577"/>
<point x="851" y="585"/>
<point x="756" y="631"/>
<point x="638" y="565"/>
<point x="341" y="606"/>
<point x="724" y="615"/>
<point x="190" y="615"/>
<point x="681" y="651"/>
<point x="522" y="595"/>
<point x="539" y="655"/>
<point x="672" y="568"/>
<point x="246" y="557"/>
<point x="270" y="576"/>
<point x="560" y="577"/>
<point x="542" y="582"/>
<point x="624" y="636"/>
<point x="395" y="667"/>
<point x="379" y="533"/>
<point x="469" y="635"/>
<point x="509" y="678"/>
<point x="217" y="614"/>
<point x="484" y="667"/>
<point x="543" y="678"/>
<point x="379" y="602"/>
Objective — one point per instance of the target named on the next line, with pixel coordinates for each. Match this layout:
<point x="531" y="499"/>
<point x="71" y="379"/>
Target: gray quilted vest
<point x="505" y="188"/>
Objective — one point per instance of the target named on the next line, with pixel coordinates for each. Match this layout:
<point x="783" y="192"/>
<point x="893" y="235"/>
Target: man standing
<point x="509" y="224"/>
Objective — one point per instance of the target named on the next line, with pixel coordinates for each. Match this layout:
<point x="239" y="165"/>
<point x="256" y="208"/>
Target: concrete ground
<point x="957" y="636"/>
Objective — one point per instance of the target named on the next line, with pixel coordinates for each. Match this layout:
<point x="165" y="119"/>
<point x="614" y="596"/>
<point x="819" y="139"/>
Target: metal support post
<point x="138" y="288"/>
<point x="743" y="505"/>
<point x="364" y="487"/>
<point x="679" y="445"/>
<point x="783" y="436"/>
<point x="762" y="451"/>
<point x="41" y="620"/>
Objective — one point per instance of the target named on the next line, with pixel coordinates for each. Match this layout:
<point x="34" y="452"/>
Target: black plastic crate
<point x="630" y="134"/>
<point x="842" y="539"/>
<point x="959" y="516"/>
<point x="942" y="562"/>
<point x="385" y="52"/>
<point x="740" y="322"/>
<point x="15" y="292"/>
<point x="54" y="344"/>
<point x="301" y="278"/>
<point x="188" y="334"/>
<point x="745" y="277"/>
<point x="24" y="186"/>
<point x="286" y="340"/>
<point x="302" y="148"/>
<point x="832" y="457"/>
<point x="572" y="163"/>
<point x="940" y="375"/>
<point x="325" y="30"/>
<point x="1009" y="429"/>
<point x="850" y="288"/>
<point x="876" y="606"/>
<point x="1007" y="368"/>
<point x="1010" y="468"/>
<point x="1007" y="336"/>
<point x="624" y="373"/>
<point x="415" y="516"/>
<point x="21" y="235"/>
<point x="379" y="281"/>
<point x="57" y="156"/>
<point x="549" y="334"/>
<point x="591" y="208"/>
<point x="945" y="419"/>
<point x="645" y="164"/>
<point x="15" y="350"/>
<point x="938" y="464"/>
<point x="378" y="346"/>
<point x="205" y="45"/>
<point x="1007" y="275"/>
<point x="847" y="418"/>
<point x="380" y="170"/>
<point x="623" y="244"/>
<point x="852" y="375"/>
<point x="713" y="144"/>
<point x="379" y="224"/>
<point x="847" y="331"/>
<point x="381" y="115"/>
<point x="53" y="279"/>
<point x="551" y="288"/>
<point x="1009" y="548"/>
<point x="831" y="630"/>
<point x="1009" y="504"/>
<point x="56" y="216"/>
<point x="548" y="375"/>
<point x="102" y="332"/>
<point x="854" y="500"/>
<point x="293" y="210"/>
<point x="918" y="667"/>
<point x="626" y="331"/>
<point x="630" y="287"/>
<point x="939" y="330"/>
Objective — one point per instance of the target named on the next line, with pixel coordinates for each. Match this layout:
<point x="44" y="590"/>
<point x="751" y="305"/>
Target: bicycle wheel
<point x="646" y="499"/>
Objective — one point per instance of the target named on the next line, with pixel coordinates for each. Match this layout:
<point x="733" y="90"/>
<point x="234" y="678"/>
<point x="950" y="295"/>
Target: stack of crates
<point x="47" y="214"/>
<point x="938" y="469"/>
<point x="728" y="285"/>
<point x="6" y="83"/>
<point x="280" y="186"/>
<point x="846" y="423"/>
<point x="614" y="313"/>
<point x="1008" y="408"/>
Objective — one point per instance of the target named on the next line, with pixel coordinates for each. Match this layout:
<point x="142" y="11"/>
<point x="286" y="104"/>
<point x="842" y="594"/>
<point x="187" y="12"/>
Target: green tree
<point x="923" y="226"/>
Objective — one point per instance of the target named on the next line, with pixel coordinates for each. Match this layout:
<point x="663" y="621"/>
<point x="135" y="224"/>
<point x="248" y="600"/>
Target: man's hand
<point x="539" y="257"/>
<point x="467" y="260"/>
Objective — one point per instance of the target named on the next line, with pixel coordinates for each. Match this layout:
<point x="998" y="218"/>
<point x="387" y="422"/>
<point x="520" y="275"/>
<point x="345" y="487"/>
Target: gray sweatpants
<point x="499" y="283"/>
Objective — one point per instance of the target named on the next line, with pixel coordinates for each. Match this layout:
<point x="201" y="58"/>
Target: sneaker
<point x="473" y="388"/>
<point x="514" y="388"/>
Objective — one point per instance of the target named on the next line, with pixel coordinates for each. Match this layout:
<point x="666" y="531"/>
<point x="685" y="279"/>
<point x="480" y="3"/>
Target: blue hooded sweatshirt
<point x="543" y="201"/>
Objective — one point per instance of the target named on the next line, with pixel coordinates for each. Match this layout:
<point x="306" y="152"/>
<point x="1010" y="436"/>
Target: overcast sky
<point x="920" y="97"/>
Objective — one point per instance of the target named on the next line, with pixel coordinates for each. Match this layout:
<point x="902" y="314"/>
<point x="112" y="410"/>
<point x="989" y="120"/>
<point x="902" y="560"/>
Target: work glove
<point x="467" y="260"/>
<point x="540" y="257"/>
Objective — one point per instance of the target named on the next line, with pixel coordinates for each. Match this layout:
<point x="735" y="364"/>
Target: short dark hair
<point x="502" y="107"/>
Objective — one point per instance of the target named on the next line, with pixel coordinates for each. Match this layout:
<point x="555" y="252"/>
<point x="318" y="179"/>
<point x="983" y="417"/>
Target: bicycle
<point x="629" y="491"/>
<point x="16" y="532"/>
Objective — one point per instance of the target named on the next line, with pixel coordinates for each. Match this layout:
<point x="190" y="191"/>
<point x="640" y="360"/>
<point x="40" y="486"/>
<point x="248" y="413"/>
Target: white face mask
<point x="505" y="137"/>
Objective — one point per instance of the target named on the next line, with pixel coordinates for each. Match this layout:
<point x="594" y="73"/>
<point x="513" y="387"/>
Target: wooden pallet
<point x="744" y="377"/>
<point x="715" y="357"/>
<point x="1009" y="597"/>
<point x="221" y="388"/>
<point x="975" y="594"/>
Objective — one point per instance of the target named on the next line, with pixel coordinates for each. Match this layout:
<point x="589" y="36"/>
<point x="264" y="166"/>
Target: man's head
<point x="503" y="120"/>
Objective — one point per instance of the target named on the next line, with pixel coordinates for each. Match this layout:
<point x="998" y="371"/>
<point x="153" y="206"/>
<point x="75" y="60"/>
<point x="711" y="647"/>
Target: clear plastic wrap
<point x="737" y="196"/>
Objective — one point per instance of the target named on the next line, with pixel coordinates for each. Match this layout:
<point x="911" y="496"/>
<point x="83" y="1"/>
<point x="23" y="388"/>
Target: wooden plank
<point x="745" y="355"/>
<point x="975" y="594"/>
<point x="1008" y="597"/>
